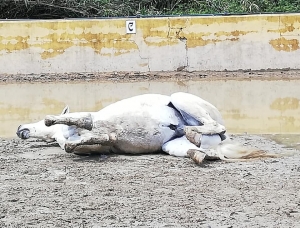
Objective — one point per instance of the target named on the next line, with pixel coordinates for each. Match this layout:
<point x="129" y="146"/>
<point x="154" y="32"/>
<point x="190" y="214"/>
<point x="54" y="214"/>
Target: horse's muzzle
<point x="23" y="133"/>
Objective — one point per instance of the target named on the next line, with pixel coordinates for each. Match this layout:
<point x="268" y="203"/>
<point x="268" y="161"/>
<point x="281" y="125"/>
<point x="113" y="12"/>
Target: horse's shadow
<point x="104" y="156"/>
<point x="112" y="156"/>
<point x="48" y="145"/>
<point x="95" y="157"/>
<point x="115" y="157"/>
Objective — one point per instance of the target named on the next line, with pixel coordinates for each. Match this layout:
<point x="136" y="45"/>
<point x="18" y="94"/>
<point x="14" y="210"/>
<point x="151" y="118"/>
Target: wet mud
<point x="42" y="186"/>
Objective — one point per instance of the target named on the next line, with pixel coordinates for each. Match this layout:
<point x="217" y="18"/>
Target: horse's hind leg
<point x="195" y="136"/>
<point x="90" y="139"/>
<point x="81" y="120"/>
<point x="181" y="147"/>
<point x="207" y="129"/>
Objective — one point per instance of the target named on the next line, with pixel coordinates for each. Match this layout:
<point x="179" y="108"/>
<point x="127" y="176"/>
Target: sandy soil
<point x="41" y="186"/>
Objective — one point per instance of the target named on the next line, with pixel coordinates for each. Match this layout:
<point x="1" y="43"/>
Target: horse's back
<point x="121" y="107"/>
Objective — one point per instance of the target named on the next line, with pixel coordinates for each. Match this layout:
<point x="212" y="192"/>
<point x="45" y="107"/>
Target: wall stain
<point x="103" y="103"/>
<point x="287" y="24"/>
<point x="284" y="104"/>
<point x="234" y="19"/>
<point x="233" y="33"/>
<point x="9" y="112"/>
<point x="235" y="114"/>
<point x="289" y="123"/>
<point x="204" y="38"/>
<point x="52" y="106"/>
<point x="176" y="23"/>
<point x="203" y="42"/>
<point x="11" y="44"/>
<point x="161" y="42"/>
<point x="142" y="88"/>
<point x="181" y="83"/>
<point x="143" y="64"/>
<point x="109" y="38"/>
<point x="287" y="28"/>
<point x="61" y="36"/>
<point x="290" y="19"/>
<point x="282" y="44"/>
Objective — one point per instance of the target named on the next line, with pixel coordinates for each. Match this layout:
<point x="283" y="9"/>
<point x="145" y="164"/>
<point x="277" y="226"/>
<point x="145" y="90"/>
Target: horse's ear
<point x="65" y="110"/>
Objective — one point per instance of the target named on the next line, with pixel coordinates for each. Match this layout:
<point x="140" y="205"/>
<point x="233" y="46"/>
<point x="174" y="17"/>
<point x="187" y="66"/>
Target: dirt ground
<point x="41" y="186"/>
<point x="283" y="74"/>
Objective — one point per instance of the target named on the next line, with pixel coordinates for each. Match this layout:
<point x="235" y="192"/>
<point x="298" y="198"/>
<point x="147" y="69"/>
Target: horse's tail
<point x="235" y="152"/>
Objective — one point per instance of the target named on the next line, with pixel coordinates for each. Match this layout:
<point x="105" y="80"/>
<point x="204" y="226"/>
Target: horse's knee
<point x="86" y="123"/>
<point x="49" y="120"/>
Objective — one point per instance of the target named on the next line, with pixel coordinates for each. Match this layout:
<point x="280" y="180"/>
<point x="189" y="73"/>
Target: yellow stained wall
<point x="195" y="43"/>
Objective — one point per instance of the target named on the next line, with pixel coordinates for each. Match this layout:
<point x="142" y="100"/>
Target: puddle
<point x="242" y="107"/>
<point x="289" y="140"/>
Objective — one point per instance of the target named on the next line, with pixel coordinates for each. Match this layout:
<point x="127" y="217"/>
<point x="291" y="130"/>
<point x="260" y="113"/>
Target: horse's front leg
<point x="89" y="138"/>
<point x="81" y="120"/>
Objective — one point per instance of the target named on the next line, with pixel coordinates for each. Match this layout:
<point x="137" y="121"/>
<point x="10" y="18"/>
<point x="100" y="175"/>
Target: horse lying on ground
<point x="181" y="125"/>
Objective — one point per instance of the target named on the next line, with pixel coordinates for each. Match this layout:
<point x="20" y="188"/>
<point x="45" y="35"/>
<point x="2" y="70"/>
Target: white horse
<point x="181" y="125"/>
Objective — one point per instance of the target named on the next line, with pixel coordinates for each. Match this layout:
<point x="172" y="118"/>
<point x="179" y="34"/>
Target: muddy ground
<point x="41" y="186"/>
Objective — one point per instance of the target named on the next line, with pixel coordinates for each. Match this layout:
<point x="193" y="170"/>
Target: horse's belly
<point x="137" y="145"/>
<point x="144" y="129"/>
<point x="144" y="135"/>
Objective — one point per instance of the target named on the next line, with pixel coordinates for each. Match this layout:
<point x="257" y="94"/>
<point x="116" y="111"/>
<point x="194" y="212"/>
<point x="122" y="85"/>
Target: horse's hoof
<point x="193" y="136"/>
<point x="49" y="121"/>
<point x="196" y="155"/>
<point x="88" y="124"/>
<point x="69" y="147"/>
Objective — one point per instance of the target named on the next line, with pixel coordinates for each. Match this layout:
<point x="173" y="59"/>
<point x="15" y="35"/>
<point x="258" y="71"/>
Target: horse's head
<point x="39" y="129"/>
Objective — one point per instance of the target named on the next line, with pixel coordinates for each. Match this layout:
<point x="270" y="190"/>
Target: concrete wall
<point x="194" y="43"/>
<point x="253" y="106"/>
